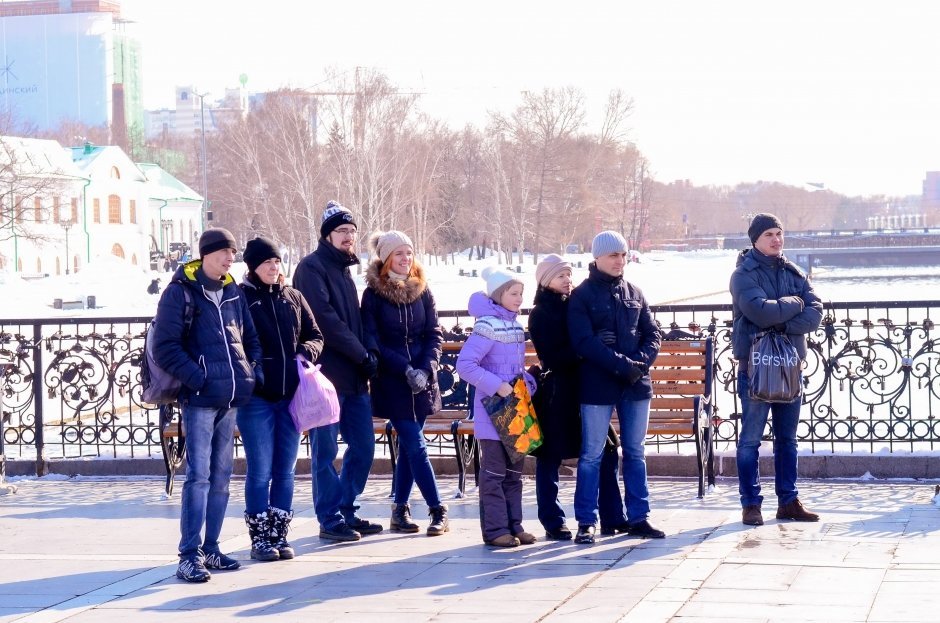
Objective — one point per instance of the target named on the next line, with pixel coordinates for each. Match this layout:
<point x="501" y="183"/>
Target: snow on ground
<point x="120" y="289"/>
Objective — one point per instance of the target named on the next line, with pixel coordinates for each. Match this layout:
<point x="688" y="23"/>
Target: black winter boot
<point x="401" y="519"/>
<point x="282" y="520"/>
<point x="258" y="530"/>
<point x="439" y="522"/>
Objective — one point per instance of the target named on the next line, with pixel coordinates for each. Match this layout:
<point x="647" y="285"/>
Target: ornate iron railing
<point x="71" y="387"/>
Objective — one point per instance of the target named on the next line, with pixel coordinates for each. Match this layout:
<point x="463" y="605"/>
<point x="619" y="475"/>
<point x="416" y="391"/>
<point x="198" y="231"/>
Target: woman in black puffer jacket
<point x="400" y="318"/>
<point x="286" y="328"/>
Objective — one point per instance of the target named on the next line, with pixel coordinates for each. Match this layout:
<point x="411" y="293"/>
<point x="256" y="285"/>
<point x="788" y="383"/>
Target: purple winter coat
<point x="493" y="354"/>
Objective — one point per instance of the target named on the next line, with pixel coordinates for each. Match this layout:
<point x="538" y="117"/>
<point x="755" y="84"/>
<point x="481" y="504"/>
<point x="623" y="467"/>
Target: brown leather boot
<point x="751" y="516"/>
<point x="794" y="510"/>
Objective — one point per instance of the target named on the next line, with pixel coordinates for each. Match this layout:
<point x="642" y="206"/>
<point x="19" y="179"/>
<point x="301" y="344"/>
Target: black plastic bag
<point x="774" y="369"/>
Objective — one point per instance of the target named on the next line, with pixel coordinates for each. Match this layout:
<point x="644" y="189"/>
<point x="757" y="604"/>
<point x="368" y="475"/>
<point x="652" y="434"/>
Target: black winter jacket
<point x="215" y="360"/>
<point x="769" y="291"/>
<point x="606" y="303"/>
<point x="324" y="280"/>
<point x="286" y="328"/>
<point x="557" y="401"/>
<point x="401" y="319"/>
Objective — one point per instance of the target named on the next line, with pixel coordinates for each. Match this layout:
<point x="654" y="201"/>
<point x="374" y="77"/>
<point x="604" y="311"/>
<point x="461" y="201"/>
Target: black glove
<point x="780" y="328"/>
<point x="628" y="369"/>
<point x="369" y="367"/>
<point x="607" y="337"/>
<point x="634" y="374"/>
<point x="259" y="375"/>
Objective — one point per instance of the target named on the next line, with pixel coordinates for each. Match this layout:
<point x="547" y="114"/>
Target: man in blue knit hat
<point x="613" y="332"/>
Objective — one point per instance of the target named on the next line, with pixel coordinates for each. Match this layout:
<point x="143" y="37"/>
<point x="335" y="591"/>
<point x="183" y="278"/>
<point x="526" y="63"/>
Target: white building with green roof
<point x="64" y="207"/>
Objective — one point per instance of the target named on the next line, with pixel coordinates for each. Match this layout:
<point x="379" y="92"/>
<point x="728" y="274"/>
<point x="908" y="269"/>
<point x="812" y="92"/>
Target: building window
<point x="18" y="209"/>
<point x="37" y="210"/>
<point x="115" y="173"/>
<point x="56" y="206"/>
<point x="96" y="211"/>
<point x="117" y="250"/>
<point x="114" y="209"/>
<point x="39" y="265"/>
<point x="74" y="209"/>
<point x="132" y="208"/>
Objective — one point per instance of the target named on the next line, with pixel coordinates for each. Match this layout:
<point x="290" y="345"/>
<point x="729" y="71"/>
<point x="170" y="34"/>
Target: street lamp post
<point x="67" y="225"/>
<point x="205" y="164"/>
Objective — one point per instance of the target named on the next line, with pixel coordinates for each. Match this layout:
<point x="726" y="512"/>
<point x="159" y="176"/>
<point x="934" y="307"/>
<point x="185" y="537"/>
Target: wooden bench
<point x="681" y="408"/>
<point x="682" y="399"/>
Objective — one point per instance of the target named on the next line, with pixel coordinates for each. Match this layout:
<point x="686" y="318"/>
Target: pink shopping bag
<point x="315" y="402"/>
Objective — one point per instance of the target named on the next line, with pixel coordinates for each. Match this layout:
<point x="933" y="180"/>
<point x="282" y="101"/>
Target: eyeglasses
<point x="346" y="231"/>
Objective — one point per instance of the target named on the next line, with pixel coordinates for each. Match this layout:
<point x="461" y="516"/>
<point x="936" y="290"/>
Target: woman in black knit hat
<point x="286" y="328"/>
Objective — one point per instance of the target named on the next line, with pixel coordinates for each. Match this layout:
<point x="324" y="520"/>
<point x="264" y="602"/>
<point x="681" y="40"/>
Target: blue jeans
<point x="271" y="445"/>
<point x="610" y="503"/>
<point x="414" y="466"/>
<point x="209" y="456"/>
<point x="595" y="419"/>
<point x="334" y="494"/>
<point x="785" y="417"/>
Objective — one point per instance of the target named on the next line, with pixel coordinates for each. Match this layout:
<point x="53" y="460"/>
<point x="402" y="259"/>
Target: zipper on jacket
<point x="228" y="352"/>
<point x="280" y="340"/>
<point x="408" y="353"/>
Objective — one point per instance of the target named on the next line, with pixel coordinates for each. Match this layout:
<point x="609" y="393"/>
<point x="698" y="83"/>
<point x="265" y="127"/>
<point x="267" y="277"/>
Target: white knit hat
<point x="608" y="242"/>
<point x="497" y="278"/>
<point x="384" y="243"/>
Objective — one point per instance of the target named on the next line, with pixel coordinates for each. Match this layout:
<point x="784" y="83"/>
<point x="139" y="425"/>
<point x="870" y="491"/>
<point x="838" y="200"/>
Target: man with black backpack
<point x="203" y="335"/>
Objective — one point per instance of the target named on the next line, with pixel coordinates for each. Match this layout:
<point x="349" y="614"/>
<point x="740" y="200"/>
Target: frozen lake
<point x="668" y="277"/>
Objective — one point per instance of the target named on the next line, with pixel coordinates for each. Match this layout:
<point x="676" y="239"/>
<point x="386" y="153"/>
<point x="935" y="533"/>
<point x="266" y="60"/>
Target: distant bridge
<point x="864" y="256"/>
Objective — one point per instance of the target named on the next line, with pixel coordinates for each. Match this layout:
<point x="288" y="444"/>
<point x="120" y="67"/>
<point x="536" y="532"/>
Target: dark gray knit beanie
<point x="215" y="239"/>
<point x="761" y="223"/>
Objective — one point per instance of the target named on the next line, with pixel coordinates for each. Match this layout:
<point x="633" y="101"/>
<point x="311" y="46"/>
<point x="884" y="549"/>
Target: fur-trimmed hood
<point x="398" y="292"/>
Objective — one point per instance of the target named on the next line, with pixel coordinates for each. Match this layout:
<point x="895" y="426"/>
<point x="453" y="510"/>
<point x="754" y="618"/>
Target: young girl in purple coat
<point x="493" y="355"/>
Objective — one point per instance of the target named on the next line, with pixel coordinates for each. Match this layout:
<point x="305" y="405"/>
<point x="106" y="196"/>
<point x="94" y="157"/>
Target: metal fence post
<point x="42" y="466"/>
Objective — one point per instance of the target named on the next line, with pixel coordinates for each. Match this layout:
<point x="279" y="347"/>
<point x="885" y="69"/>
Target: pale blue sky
<point x="841" y="92"/>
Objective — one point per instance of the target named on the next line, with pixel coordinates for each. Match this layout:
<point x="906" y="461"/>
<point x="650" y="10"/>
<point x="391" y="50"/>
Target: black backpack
<point x="158" y="386"/>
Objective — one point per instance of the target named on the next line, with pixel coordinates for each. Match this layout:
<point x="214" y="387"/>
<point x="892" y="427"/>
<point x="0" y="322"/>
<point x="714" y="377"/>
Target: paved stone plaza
<point x="85" y="550"/>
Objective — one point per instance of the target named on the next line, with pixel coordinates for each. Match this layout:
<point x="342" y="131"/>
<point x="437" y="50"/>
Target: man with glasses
<point x="349" y="362"/>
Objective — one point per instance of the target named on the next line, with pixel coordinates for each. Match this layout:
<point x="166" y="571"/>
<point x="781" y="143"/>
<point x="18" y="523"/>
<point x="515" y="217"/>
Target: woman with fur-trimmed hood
<point x="399" y="316"/>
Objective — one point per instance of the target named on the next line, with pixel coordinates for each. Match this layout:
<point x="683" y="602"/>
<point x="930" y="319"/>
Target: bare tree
<point x="542" y="124"/>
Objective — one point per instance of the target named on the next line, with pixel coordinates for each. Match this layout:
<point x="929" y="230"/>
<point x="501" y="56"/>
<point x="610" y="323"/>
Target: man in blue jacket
<point x="218" y="360"/>
<point x="349" y="362"/>
<point x="769" y="292"/>
<point x="613" y="332"/>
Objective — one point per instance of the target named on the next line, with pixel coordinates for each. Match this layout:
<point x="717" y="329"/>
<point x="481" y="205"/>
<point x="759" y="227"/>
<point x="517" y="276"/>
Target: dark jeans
<point x="271" y="444"/>
<point x="209" y="455"/>
<point x="334" y="494"/>
<point x="785" y="418"/>
<point x="610" y="502"/>
<point x="414" y="466"/>
<point x="500" y="491"/>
